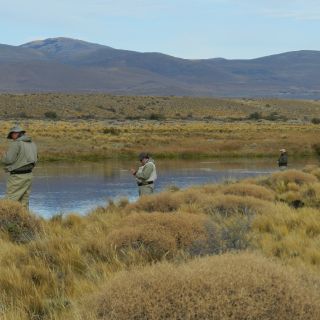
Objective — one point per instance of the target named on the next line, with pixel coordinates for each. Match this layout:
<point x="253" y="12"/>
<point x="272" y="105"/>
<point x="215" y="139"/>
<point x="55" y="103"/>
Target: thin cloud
<point x="294" y="14"/>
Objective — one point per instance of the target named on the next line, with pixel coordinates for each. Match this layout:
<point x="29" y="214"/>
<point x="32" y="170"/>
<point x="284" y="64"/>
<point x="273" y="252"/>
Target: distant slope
<point x="62" y="64"/>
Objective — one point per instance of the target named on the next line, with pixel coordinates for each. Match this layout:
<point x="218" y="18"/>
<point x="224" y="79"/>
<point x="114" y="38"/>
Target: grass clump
<point x="159" y="241"/>
<point x="238" y="287"/>
<point x="162" y="234"/>
<point x="16" y="223"/>
<point x="162" y="202"/>
<point x="289" y="234"/>
<point x="252" y="190"/>
<point x="227" y="205"/>
<point x="281" y="180"/>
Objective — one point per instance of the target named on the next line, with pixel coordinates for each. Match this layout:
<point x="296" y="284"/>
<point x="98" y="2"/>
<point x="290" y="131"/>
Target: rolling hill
<point x="69" y="65"/>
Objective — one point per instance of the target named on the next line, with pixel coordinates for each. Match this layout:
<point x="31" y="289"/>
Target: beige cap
<point x="15" y="129"/>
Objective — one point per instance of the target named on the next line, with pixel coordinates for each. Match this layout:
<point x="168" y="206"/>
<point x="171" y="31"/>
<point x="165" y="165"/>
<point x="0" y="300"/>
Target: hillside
<point x="69" y="65"/>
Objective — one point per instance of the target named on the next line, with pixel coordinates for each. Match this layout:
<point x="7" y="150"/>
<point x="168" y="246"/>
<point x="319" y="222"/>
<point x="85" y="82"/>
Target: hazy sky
<point x="182" y="28"/>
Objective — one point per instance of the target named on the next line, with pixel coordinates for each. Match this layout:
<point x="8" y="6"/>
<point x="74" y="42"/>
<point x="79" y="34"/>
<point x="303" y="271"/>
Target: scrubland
<point x="246" y="249"/>
<point x="62" y="140"/>
<point x="243" y="250"/>
<point x="98" y="126"/>
<point x="104" y="106"/>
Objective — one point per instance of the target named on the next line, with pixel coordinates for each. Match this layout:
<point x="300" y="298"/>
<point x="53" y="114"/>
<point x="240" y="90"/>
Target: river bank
<point x="124" y="259"/>
<point x="100" y="140"/>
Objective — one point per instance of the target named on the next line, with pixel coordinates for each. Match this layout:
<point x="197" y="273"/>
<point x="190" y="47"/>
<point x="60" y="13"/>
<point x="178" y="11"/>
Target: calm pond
<point x="81" y="186"/>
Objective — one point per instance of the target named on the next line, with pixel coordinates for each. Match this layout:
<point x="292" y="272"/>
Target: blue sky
<point x="182" y="28"/>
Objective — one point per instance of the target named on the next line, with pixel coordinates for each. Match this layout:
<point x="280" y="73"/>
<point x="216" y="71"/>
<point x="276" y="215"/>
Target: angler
<point x="145" y="175"/>
<point x="19" y="161"/>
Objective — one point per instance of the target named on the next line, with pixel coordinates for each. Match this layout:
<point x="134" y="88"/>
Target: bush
<point x="51" y="115"/>
<point x="310" y="194"/>
<point x="227" y="205"/>
<point x="243" y="189"/>
<point x="163" y="202"/>
<point x="290" y="176"/>
<point x="255" y="116"/>
<point x="16" y="223"/>
<point x="315" y="120"/>
<point x="157" y="235"/>
<point x="238" y="287"/>
<point x="273" y="116"/>
<point x="289" y="234"/>
<point x="112" y="131"/>
<point x="157" y="116"/>
<point x="316" y="148"/>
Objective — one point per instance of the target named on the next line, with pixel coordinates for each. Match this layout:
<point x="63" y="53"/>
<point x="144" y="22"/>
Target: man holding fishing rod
<point x="19" y="161"/>
<point x="145" y="175"/>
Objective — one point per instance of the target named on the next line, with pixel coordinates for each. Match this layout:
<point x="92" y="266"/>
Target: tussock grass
<point x="280" y="179"/>
<point x="230" y="204"/>
<point x="163" y="202"/>
<point x="162" y="234"/>
<point x="289" y="234"/>
<point x="51" y="272"/>
<point x="16" y="223"/>
<point x="188" y="139"/>
<point x="224" y="287"/>
<point x="246" y="189"/>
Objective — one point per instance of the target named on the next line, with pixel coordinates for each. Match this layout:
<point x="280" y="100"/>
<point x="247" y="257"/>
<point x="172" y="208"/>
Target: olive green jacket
<point x="21" y="152"/>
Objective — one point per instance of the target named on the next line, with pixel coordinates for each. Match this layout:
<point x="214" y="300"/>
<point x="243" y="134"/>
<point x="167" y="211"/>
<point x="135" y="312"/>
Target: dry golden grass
<point x="224" y="287"/>
<point x="279" y="179"/>
<point x="227" y="205"/>
<point x="163" y="202"/>
<point x="91" y="126"/>
<point x="162" y="234"/>
<point x="50" y="276"/>
<point x="289" y="234"/>
<point x="105" y="106"/>
<point x="16" y="224"/>
<point x="170" y="139"/>
<point x="245" y="189"/>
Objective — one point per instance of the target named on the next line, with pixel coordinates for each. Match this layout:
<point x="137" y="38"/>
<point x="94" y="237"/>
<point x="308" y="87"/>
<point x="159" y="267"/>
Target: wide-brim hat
<point x="143" y="155"/>
<point x="15" y="129"/>
<point x="283" y="150"/>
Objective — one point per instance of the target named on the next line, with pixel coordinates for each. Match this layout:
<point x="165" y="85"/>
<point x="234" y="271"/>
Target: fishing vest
<point x="153" y="175"/>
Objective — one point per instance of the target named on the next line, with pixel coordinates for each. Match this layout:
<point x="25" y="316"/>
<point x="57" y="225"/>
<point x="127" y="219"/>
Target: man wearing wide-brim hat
<point x="19" y="162"/>
<point x="146" y="174"/>
<point x="283" y="159"/>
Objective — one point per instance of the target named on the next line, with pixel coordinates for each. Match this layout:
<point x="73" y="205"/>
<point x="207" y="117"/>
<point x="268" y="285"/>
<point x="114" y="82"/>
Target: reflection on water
<point x="80" y="187"/>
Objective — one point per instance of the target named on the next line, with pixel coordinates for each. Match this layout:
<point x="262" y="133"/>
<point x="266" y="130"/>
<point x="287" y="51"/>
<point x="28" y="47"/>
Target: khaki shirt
<point x="21" y="152"/>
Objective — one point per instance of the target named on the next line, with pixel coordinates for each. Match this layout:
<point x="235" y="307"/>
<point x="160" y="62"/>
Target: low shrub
<point x="289" y="234"/>
<point x="157" y="116"/>
<point x="112" y="131"/>
<point x="244" y="189"/>
<point x="163" y="202"/>
<point x="230" y="204"/>
<point x="157" y="235"/>
<point x="238" y="287"/>
<point x="51" y="115"/>
<point x="279" y="181"/>
<point x="16" y="223"/>
<point x="255" y="116"/>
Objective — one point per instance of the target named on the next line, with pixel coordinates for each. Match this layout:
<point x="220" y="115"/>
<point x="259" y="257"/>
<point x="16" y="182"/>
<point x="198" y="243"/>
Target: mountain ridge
<point x="44" y="65"/>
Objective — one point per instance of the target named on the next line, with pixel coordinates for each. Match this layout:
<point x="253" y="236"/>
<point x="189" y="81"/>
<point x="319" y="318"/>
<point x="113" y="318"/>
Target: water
<point x="80" y="187"/>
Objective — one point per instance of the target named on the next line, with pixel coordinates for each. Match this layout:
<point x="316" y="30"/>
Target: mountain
<point x="69" y="65"/>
